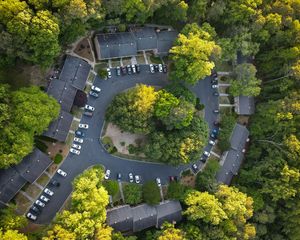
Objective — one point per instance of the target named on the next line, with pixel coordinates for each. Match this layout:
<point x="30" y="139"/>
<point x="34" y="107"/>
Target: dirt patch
<point x="22" y="203"/>
<point x="244" y="120"/>
<point x="189" y="180"/>
<point x="122" y="140"/>
<point x="84" y="49"/>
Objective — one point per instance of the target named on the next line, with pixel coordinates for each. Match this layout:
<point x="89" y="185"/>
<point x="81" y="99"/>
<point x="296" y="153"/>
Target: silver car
<point x="61" y="172"/>
<point x="49" y="192"/>
<point x="45" y="199"/>
<point x="72" y="150"/>
<point x="40" y="203"/>
<point x="89" y="108"/>
<point x="31" y="216"/>
<point x="76" y="146"/>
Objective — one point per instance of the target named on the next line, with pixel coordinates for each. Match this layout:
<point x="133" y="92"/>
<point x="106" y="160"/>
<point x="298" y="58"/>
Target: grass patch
<point x="186" y="173"/>
<point x="126" y="61"/>
<point x="155" y="60"/>
<point x="74" y="125"/>
<point x="43" y="180"/>
<point x="33" y="191"/>
<point x="22" y="203"/>
<point x="140" y="59"/>
<point x="115" y="63"/>
<point x="76" y="112"/>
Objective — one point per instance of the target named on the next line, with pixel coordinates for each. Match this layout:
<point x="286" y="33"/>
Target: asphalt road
<point x="93" y="153"/>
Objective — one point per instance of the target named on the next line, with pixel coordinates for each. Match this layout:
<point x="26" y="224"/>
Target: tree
<point x="176" y="191"/>
<point x="191" y="56"/>
<point x="12" y="234"/>
<point x="197" y="10"/>
<point x="169" y="232"/>
<point x="151" y="193"/>
<point x="9" y="219"/>
<point x="132" y="193"/>
<point x="104" y="233"/>
<point x="164" y="104"/>
<point x="111" y="186"/>
<point x="227" y="125"/>
<point x="206" y="179"/>
<point x="57" y="232"/>
<point x="246" y="83"/>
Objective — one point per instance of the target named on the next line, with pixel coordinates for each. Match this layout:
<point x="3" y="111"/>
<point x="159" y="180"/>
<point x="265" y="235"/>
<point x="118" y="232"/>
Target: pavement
<point x="93" y="153"/>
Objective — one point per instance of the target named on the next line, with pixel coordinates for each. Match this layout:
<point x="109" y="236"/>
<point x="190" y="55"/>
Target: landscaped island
<point x="170" y="119"/>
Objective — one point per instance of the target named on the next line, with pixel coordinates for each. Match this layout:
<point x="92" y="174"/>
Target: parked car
<point x="137" y="179"/>
<point x="44" y="198"/>
<point x="83" y="125"/>
<point x="72" y="150"/>
<point x="79" y="133"/>
<point x="151" y="68"/>
<point x="93" y="94"/>
<point x="206" y="153"/>
<point x="119" y="177"/>
<point x="123" y="70"/>
<point x="214" y="133"/>
<point x="31" y="216"/>
<point x="214" y="81"/>
<point x="130" y="175"/>
<point x="216" y="111"/>
<point x="173" y="178"/>
<point x="212" y="142"/>
<point x="214" y="74"/>
<point x="54" y="183"/>
<point x="216" y="123"/>
<point x="133" y="69"/>
<point x="89" y="108"/>
<point x="108" y="73"/>
<point x="96" y="89"/>
<point x="118" y="71"/>
<point x="214" y="86"/>
<point x="35" y="210"/>
<point x="156" y="67"/>
<point x="165" y="68"/>
<point x="88" y="114"/>
<point x="138" y="70"/>
<point x="160" y="68"/>
<point x="39" y="203"/>
<point x="61" y="172"/>
<point x="49" y="192"/>
<point x="158" y="182"/>
<point x="76" y="146"/>
<point x="78" y="140"/>
<point x="203" y="159"/>
<point x="129" y="69"/>
<point x="216" y="94"/>
<point x="195" y="167"/>
<point x="107" y="174"/>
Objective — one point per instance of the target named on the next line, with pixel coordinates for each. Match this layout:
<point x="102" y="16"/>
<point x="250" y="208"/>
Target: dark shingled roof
<point x="244" y="105"/>
<point x="144" y="216"/>
<point x="165" y="41"/>
<point x="33" y="165"/>
<point x="145" y="37"/>
<point x="10" y="184"/>
<point x="59" y="128"/>
<point x="120" y="218"/>
<point x="63" y="92"/>
<point x="169" y="211"/>
<point x="75" y="72"/>
<point x="239" y="137"/>
<point x="114" y="45"/>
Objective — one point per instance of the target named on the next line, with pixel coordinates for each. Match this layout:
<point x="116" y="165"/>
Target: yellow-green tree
<point x="59" y="233"/>
<point x="12" y="235"/>
<point x="169" y="232"/>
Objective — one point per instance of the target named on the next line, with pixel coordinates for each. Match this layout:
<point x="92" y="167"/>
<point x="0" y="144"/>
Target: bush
<point x="121" y="27"/>
<point x="199" y="106"/>
<point x="112" y="187"/>
<point x="112" y="150"/>
<point x="58" y="158"/>
<point x="102" y="73"/>
<point x="186" y="173"/>
<point x="122" y="143"/>
<point x="151" y="193"/>
<point x="132" y="193"/>
<point x="206" y="180"/>
<point x="176" y="191"/>
<point x="179" y="90"/>
<point x="107" y="140"/>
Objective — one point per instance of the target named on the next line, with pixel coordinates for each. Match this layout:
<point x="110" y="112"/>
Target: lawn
<point x="155" y="60"/>
<point x="140" y="59"/>
<point x="33" y="191"/>
<point x="101" y="65"/>
<point x="43" y="180"/>
<point x="22" y="203"/>
<point x="126" y="61"/>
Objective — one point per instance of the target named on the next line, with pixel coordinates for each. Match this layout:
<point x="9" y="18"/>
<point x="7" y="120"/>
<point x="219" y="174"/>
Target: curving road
<point x="93" y="153"/>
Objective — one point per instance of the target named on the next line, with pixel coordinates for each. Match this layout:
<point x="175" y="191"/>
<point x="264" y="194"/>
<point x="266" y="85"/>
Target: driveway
<point x="93" y="153"/>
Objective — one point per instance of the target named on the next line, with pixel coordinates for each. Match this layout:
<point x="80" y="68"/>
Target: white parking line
<point x="76" y="119"/>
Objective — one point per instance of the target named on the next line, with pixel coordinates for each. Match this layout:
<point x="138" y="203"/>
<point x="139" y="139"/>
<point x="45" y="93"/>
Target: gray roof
<point x="239" y="137"/>
<point x="244" y="105"/>
<point x="120" y="218"/>
<point x="63" y="92"/>
<point x="169" y="211"/>
<point x="75" y="72"/>
<point x="144" y="216"/>
<point x="59" y="128"/>
<point x="145" y="37"/>
<point x="10" y="184"/>
<point x="113" y="45"/>
<point x="165" y="40"/>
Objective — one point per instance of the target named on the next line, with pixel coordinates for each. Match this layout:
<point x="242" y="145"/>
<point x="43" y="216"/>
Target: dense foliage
<point x="151" y="193"/>
<point x="133" y="193"/>
<point x="24" y="114"/>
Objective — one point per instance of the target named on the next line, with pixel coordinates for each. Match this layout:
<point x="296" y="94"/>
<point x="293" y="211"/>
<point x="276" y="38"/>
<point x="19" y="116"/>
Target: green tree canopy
<point x="133" y="193"/>
<point x="151" y="193"/>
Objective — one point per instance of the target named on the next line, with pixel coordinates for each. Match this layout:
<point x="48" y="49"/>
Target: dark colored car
<point x="214" y="81"/>
<point x="129" y="69"/>
<point x="89" y="114"/>
<point x="79" y="133"/>
<point x="216" y="94"/>
<point x="54" y="183"/>
<point x="94" y="94"/>
<point x="214" y="133"/>
<point x="35" y="209"/>
<point x="123" y="70"/>
<point x="119" y="176"/>
<point x="173" y="178"/>
<point x="137" y="67"/>
<point x="216" y="123"/>
<point x="156" y="68"/>
<point x="203" y="158"/>
<point x="165" y="68"/>
<point x="214" y="74"/>
<point x="118" y="71"/>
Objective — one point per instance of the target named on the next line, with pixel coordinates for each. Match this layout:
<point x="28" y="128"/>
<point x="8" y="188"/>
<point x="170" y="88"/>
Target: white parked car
<point x="78" y="140"/>
<point x="31" y="216"/>
<point x="214" y="86"/>
<point x="45" y="199"/>
<point x="158" y="182"/>
<point x="151" y="68"/>
<point x="108" y="73"/>
<point x="130" y="175"/>
<point x="107" y="174"/>
<point x="207" y="154"/>
<point x="48" y="191"/>
<point x="211" y="142"/>
<point x="76" y="146"/>
<point x="83" y="125"/>
<point x="133" y="68"/>
<point x="40" y="203"/>
<point x="96" y="89"/>
<point x="137" y="178"/>
<point x="160" y="68"/>
<point x="89" y="108"/>
<point x="72" y="150"/>
<point x="61" y="172"/>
